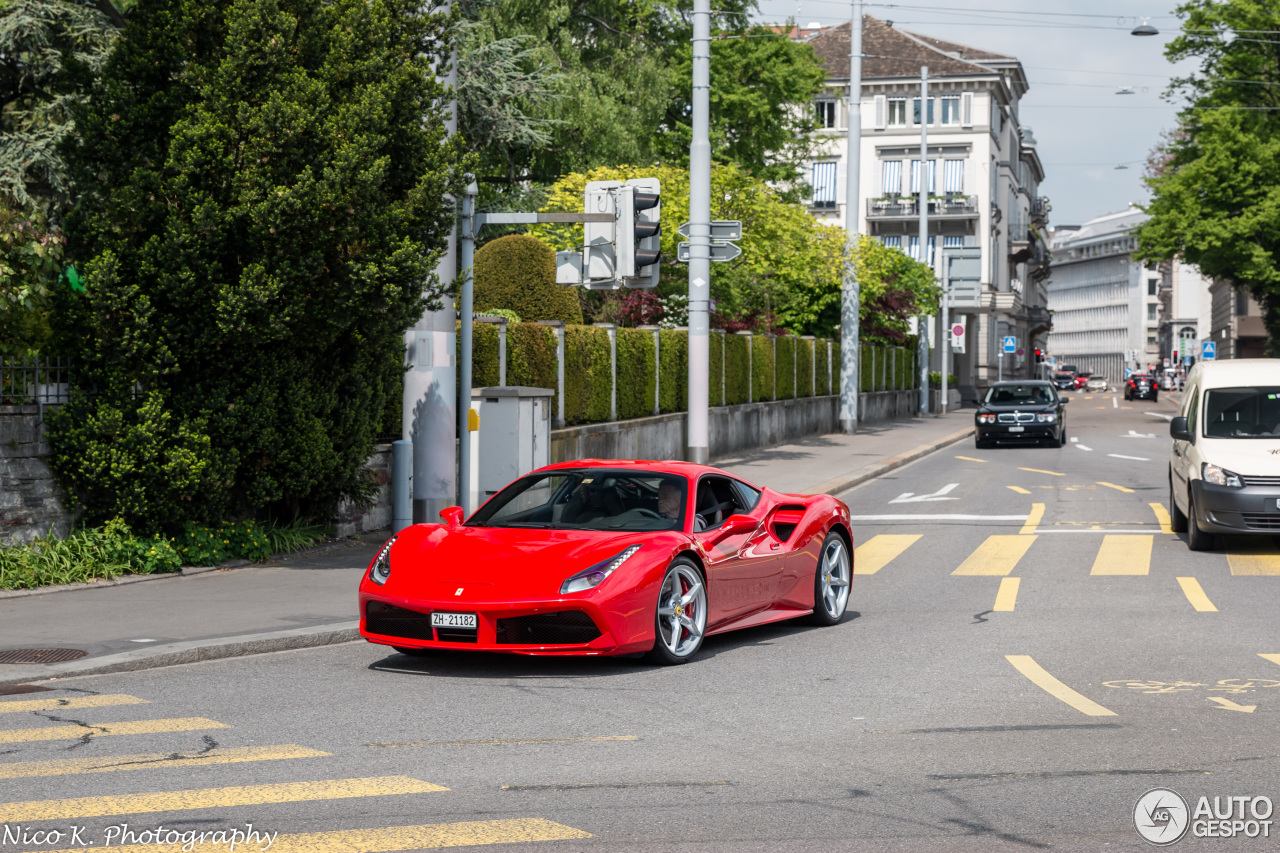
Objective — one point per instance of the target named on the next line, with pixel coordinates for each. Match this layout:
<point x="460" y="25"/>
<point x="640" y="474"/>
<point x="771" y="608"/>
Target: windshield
<point x="1242" y="413"/>
<point x="1063" y="376"/>
<point x="1019" y="395"/>
<point x="588" y="499"/>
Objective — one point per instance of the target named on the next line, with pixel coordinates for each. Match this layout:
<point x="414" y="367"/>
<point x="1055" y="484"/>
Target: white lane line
<point x="1074" y="439"/>
<point x="912" y="497"/>
<point x="1159" y="415"/>
<point x="1082" y="447"/>
<point x="939" y="517"/>
<point x="1136" y="434"/>
<point x="1134" y="458"/>
<point x="1114" y="403"/>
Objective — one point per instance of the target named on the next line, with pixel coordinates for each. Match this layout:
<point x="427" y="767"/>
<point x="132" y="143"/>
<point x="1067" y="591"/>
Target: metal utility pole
<point x="945" y="326"/>
<point x="850" y="297"/>
<point x="467" y="257"/>
<point x="923" y="176"/>
<point x="430" y="391"/>
<point x="699" y="449"/>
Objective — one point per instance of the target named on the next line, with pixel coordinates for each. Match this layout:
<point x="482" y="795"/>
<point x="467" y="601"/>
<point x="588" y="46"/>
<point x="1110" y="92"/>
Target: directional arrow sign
<point x="912" y="497"/>
<point x="721" y="229"/>
<point x="1228" y="705"/>
<point x="719" y="252"/>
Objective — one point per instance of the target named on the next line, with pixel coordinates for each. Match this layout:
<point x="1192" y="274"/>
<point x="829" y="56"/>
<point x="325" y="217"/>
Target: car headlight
<point x="1047" y="418"/>
<point x="986" y="419"/>
<point x="1220" y="476"/>
<point x="592" y="577"/>
<point x="381" y="568"/>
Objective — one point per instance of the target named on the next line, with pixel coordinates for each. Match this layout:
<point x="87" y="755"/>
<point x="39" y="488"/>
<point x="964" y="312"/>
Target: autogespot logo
<point x="1161" y="816"/>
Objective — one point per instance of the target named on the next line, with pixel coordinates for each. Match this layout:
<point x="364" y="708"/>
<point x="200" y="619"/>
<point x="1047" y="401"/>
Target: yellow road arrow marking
<point x="1042" y="471"/>
<point x="970" y="459"/>
<point x="1228" y="705"/>
<point x="1272" y="658"/>
<point x="1114" y="486"/>
<point x="1021" y="490"/>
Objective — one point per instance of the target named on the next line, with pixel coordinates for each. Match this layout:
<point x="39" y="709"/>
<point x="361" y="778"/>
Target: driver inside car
<point x="669" y="500"/>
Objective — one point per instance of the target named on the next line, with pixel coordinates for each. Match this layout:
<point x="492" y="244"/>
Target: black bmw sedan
<point x="1029" y="410"/>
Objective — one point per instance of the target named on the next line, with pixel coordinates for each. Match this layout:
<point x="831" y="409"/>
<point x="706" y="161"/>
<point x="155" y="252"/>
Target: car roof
<point x="1020" y="382"/>
<point x="1236" y="371"/>
<point x="666" y="466"/>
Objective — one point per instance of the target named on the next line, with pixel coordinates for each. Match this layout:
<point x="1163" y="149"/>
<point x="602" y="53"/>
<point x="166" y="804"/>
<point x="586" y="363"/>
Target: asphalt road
<point x="1029" y="653"/>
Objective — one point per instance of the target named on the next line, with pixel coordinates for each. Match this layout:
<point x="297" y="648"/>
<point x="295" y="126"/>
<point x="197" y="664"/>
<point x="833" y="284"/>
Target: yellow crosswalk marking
<point x="17" y="706"/>
<point x="1195" y="594"/>
<point x="1252" y="555"/>
<point x="1037" y="675"/>
<point x="1162" y="517"/>
<point x="137" y="727"/>
<point x="1114" y="486"/>
<point x="209" y="798"/>
<point x="996" y="556"/>
<point x="1021" y="490"/>
<point x="1042" y="471"/>
<point x="153" y="761"/>
<point x="878" y="551"/>
<point x="429" y="836"/>
<point x="1033" y="520"/>
<point x="1123" y="554"/>
<point x="1007" y="595"/>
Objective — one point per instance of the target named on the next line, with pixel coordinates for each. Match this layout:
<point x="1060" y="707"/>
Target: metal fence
<point x="35" y="381"/>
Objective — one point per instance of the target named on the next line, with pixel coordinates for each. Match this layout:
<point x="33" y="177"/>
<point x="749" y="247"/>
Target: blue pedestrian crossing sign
<point x="1010" y="344"/>
<point x="1208" y="350"/>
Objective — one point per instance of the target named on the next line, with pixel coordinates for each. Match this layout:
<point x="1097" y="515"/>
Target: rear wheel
<point x="681" y="620"/>
<point x="1197" y="539"/>
<point x="1177" y="519"/>
<point x="831" y="581"/>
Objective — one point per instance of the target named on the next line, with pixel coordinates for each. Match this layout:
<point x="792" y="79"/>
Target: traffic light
<point x="1039" y="355"/>
<point x="599" y="258"/>
<point x="1174" y="360"/>
<point x="639" y="232"/>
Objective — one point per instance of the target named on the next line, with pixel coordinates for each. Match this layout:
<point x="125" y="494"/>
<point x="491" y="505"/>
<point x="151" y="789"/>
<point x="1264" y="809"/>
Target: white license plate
<point x="1017" y="429"/>
<point x="453" y="620"/>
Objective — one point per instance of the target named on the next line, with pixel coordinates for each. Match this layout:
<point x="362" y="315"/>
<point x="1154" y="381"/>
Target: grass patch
<point x="98" y="553"/>
<point x="294" y="536"/>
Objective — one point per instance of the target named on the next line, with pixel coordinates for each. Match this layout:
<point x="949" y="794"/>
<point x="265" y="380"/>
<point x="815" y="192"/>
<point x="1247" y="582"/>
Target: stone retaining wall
<point x="30" y="501"/>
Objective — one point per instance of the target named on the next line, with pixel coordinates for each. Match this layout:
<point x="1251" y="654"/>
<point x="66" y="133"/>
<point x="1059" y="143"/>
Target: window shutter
<point x="880" y="107"/>
<point x="966" y="109"/>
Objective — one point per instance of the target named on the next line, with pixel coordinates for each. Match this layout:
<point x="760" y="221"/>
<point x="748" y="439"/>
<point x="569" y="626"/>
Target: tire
<point x="981" y="444"/>
<point x="1197" y="539"/>
<point x="1177" y="519"/>
<point x="680" y="617"/>
<point x="1062" y="439"/>
<point x="419" y="653"/>
<point x="832" y="577"/>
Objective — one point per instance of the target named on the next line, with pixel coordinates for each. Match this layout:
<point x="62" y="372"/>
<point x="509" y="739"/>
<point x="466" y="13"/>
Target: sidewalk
<point x="310" y="600"/>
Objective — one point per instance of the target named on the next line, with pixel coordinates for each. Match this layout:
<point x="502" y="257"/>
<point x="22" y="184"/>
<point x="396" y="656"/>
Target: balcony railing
<point x="906" y="207"/>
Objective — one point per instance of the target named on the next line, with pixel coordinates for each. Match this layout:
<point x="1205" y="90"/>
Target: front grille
<point x="567" y="627"/>
<point x="1016" y="418"/>
<point x="1261" y="520"/>
<point x="380" y="618"/>
<point x="1259" y="481"/>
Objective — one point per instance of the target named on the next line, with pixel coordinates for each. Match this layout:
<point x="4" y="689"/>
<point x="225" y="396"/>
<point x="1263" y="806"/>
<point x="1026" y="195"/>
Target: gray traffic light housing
<point x="639" y="233"/>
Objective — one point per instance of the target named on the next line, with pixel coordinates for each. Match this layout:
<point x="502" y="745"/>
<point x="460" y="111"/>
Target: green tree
<point x="263" y="205"/>
<point x="30" y="256"/>
<point x="1215" y="183"/>
<point x="518" y="273"/>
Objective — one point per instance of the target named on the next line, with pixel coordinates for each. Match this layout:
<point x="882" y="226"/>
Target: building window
<point x="892" y="241"/>
<point x="1152" y="287"/>
<point x="915" y="111"/>
<point x="1242" y="304"/>
<point x="913" y="249"/>
<point x="892" y="177"/>
<point x="1151" y="340"/>
<point x="951" y="109"/>
<point x="915" y="176"/>
<point x="955" y="242"/>
<point x="1151" y="310"/>
<point x="824" y="185"/>
<point x="825" y="113"/>
<point x="1187" y="333"/>
<point x="953" y="175"/>
<point x="897" y="111"/>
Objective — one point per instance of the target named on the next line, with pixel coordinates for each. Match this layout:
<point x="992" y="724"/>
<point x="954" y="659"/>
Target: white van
<point x="1224" y="467"/>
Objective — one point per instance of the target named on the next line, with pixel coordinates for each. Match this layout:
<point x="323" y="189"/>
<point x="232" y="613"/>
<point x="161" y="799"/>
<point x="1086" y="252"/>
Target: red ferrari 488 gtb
<point x="602" y="557"/>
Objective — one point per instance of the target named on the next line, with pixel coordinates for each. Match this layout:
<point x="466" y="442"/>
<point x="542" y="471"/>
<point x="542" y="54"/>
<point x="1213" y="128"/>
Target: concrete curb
<point x="846" y="482"/>
<point x="192" y="651"/>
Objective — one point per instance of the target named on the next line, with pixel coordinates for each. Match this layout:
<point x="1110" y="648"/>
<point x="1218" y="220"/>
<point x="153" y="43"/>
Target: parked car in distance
<point x="1018" y="411"/>
<point x="1064" y="381"/>
<point x="1166" y="382"/>
<point x="1224" y="460"/>
<point x="1141" y="387"/>
<point x="1096" y="383"/>
<point x="1082" y="378"/>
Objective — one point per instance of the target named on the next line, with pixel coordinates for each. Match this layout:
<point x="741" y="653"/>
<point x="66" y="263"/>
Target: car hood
<point x="434" y="560"/>
<point x="1259" y="457"/>
<point x="1030" y="408"/>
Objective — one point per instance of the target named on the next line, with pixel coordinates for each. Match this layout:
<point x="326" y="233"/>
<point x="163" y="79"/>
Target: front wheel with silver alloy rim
<point x="831" y="581"/>
<point x="681" y="619"/>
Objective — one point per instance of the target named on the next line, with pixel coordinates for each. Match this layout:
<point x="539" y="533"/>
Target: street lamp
<point x="1144" y="29"/>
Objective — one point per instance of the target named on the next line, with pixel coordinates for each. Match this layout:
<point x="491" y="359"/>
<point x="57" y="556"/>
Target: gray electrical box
<point x="515" y="433"/>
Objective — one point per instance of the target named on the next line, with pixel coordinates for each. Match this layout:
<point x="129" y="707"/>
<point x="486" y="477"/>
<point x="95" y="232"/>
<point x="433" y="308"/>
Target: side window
<point x="1193" y="396"/>
<point x="717" y="499"/>
<point x="747" y="496"/>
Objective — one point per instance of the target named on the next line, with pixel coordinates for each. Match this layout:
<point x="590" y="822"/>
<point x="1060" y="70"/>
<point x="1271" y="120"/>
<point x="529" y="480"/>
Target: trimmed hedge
<point x="484" y="355"/>
<point x="673" y="386"/>
<point x="716" y="394"/>
<point x="786" y="367"/>
<point x="636" y="371"/>
<point x="737" y="378"/>
<point x="586" y="375"/>
<point x="762" y="375"/>
<point x="820" y="364"/>
<point x="804" y="367"/>
<point x="518" y="273"/>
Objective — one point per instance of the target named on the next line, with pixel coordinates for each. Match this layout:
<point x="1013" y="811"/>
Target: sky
<point x="1074" y="63"/>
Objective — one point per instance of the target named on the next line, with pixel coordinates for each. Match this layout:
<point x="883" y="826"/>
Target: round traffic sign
<point x="1021" y="351"/>
<point x="957" y="330"/>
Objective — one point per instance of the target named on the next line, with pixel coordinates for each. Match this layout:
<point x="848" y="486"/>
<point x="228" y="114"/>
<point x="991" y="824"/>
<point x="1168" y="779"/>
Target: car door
<point x="743" y="568"/>
<point x="1184" y="451"/>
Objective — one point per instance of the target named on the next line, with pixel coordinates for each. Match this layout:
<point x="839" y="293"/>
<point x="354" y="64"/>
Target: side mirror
<point x="736" y="524"/>
<point x="1065" y="400"/>
<point x="452" y="515"/>
<point x="1178" y="429"/>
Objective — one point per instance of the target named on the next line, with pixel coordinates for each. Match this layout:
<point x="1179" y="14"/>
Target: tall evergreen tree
<point x="263" y="203"/>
